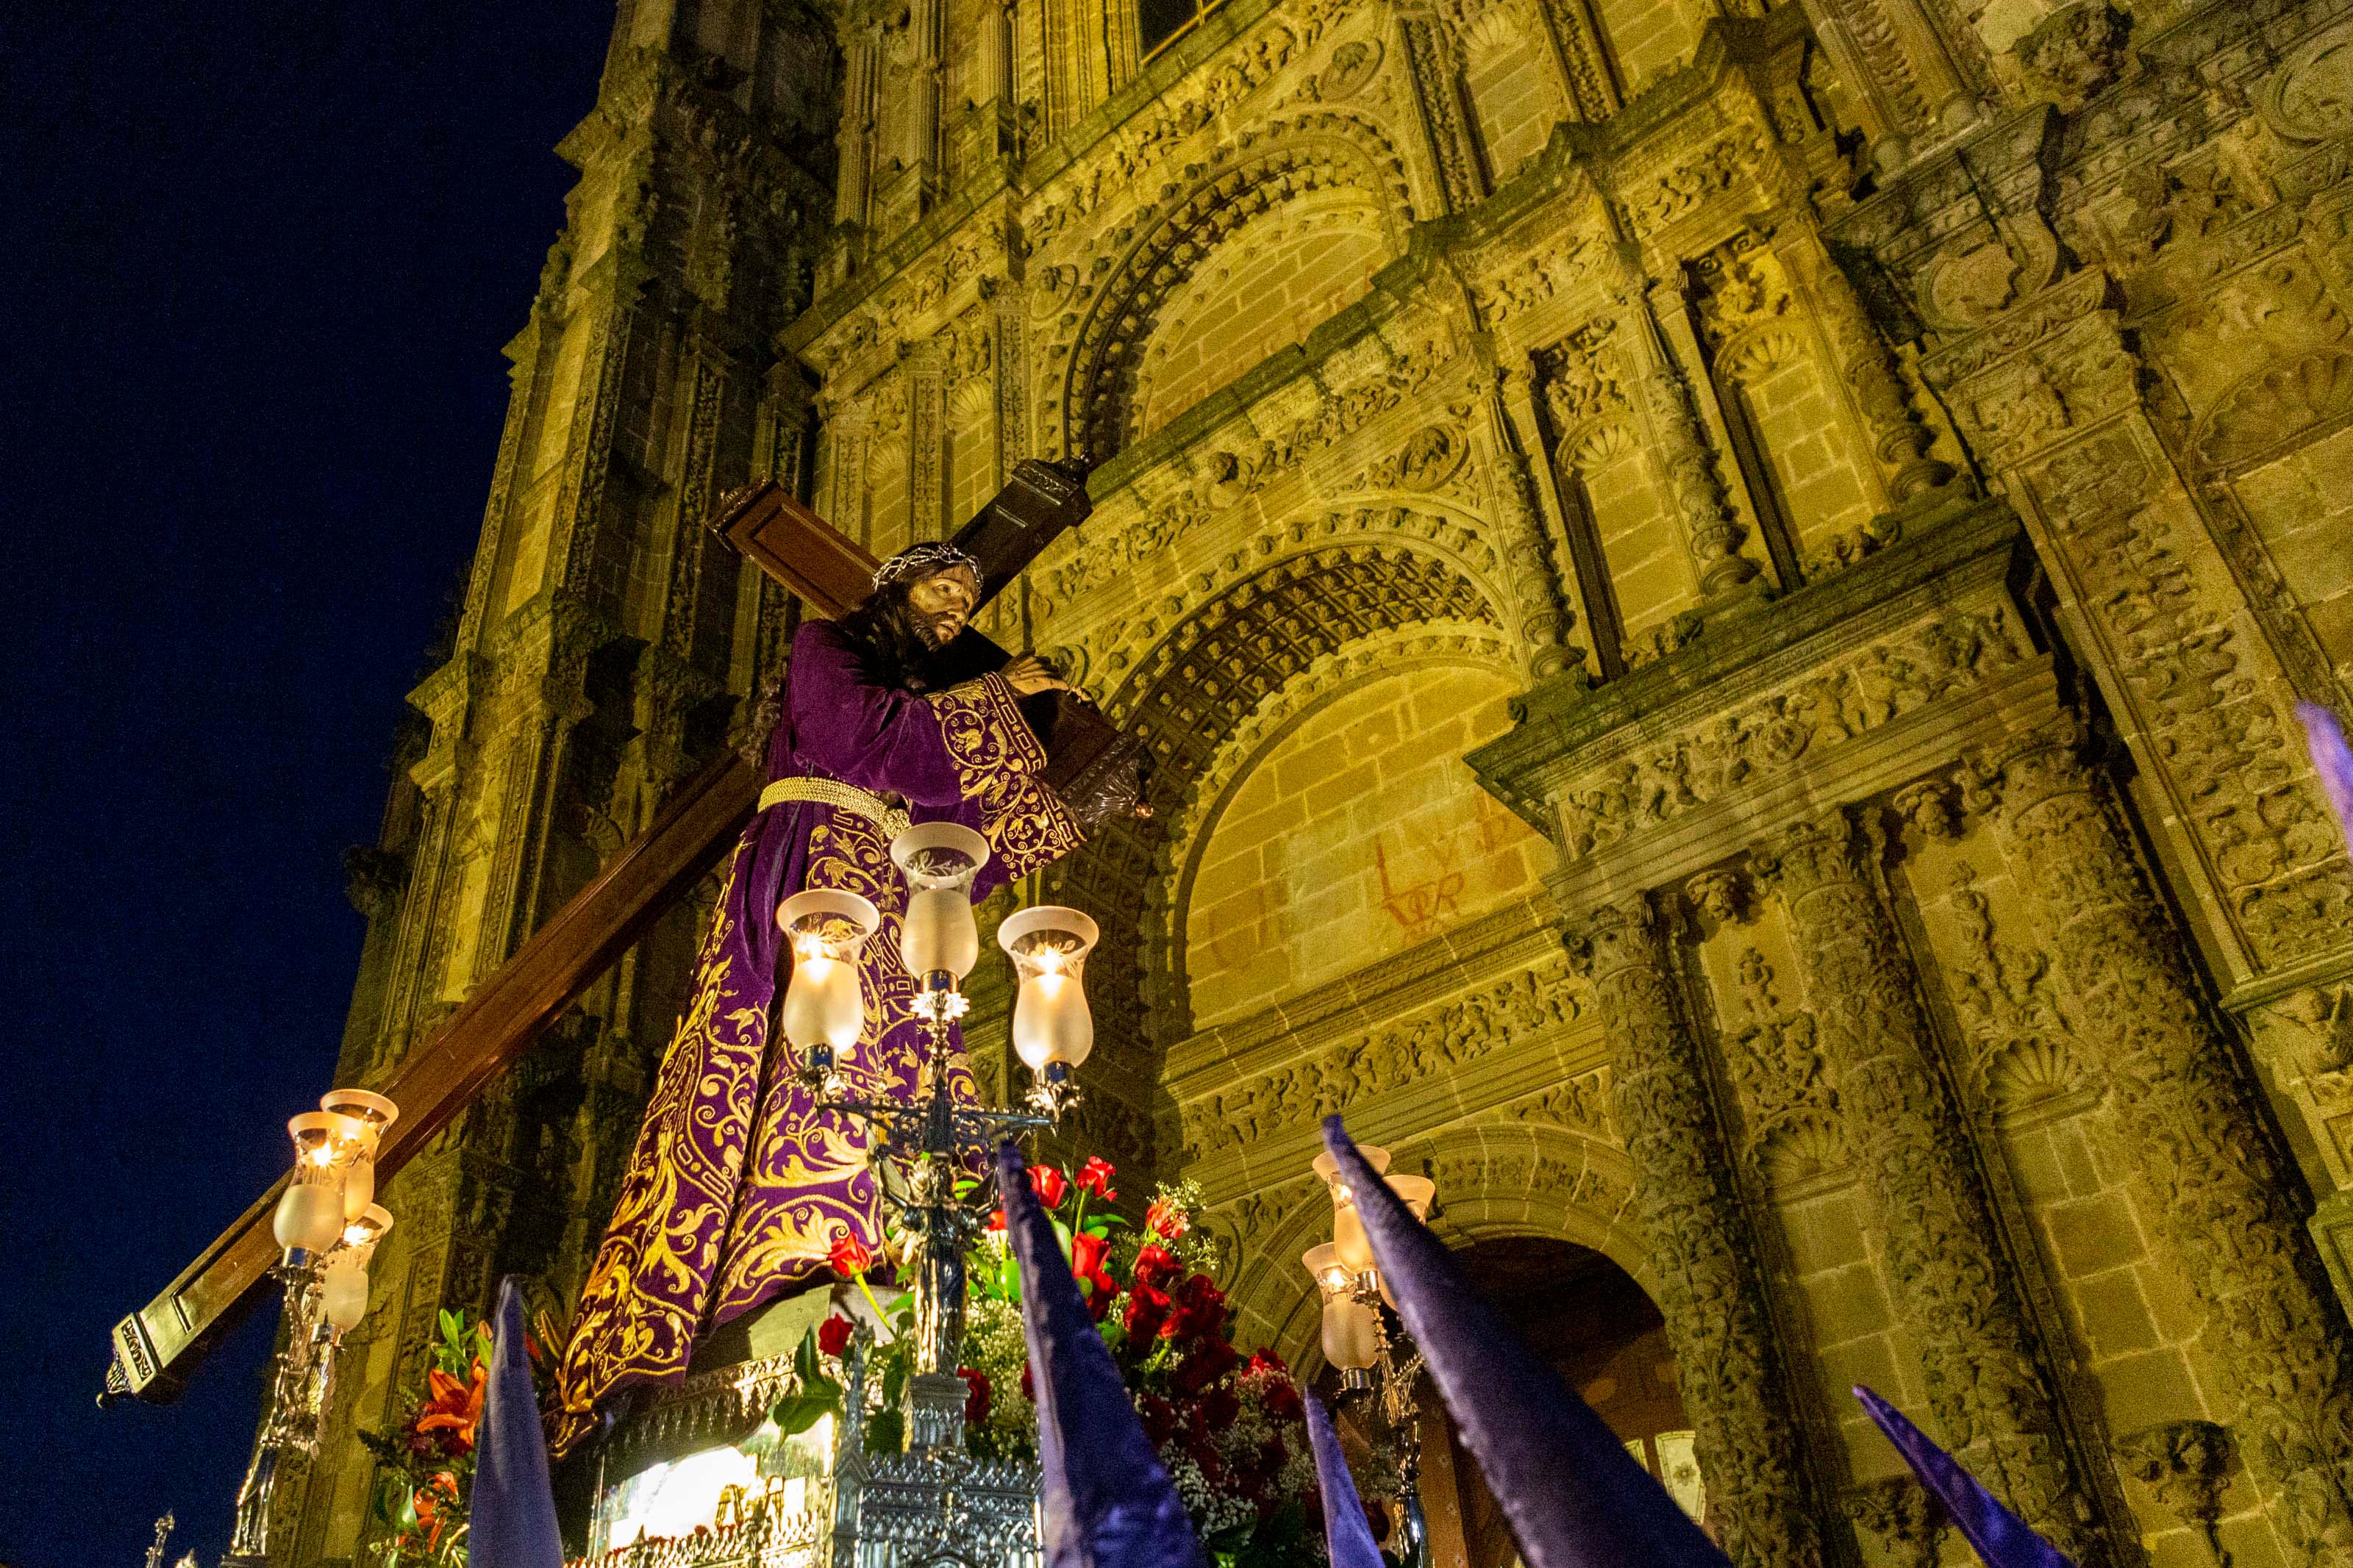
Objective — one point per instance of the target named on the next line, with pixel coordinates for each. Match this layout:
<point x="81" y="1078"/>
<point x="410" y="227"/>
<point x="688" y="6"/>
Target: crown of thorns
<point x="925" y="560"/>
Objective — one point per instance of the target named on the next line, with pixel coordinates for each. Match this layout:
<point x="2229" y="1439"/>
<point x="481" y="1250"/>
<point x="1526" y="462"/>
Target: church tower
<point x="1716" y="590"/>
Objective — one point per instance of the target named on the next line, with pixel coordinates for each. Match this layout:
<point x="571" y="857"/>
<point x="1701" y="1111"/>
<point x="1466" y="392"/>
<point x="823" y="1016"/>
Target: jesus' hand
<point x="1029" y="675"/>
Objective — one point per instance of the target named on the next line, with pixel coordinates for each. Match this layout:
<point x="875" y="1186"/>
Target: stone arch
<point x="1427" y="524"/>
<point x="1265" y="288"/>
<point x="1494" y="1180"/>
<point x="1397" y="651"/>
<point x="1244" y="641"/>
<point x="1170" y="240"/>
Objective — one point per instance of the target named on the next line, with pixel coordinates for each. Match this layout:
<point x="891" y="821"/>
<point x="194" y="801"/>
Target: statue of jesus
<point x="738" y="1188"/>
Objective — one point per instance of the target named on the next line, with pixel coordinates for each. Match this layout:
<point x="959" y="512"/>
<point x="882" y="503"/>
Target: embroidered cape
<point x="738" y="1187"/>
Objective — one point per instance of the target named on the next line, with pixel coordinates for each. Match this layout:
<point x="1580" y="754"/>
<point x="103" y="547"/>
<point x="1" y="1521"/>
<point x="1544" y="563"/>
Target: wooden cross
<point x="157" y="1347"/>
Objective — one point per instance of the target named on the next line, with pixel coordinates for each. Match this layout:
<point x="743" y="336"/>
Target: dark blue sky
<point x="260" y="258"/>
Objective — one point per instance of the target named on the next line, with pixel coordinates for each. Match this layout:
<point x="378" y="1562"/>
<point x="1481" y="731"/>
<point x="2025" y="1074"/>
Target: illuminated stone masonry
<point x="1714" y="590"/>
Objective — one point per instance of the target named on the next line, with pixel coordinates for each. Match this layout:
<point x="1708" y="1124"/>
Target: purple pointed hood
<point x="512" y="1520"/>
<point x="1109" y="1502"/>
<point x="2000" y="1537"/>
<point x="1347" y="1535"/>
<point x="1575" y="1497"/>
<point x="2334" y="760"/>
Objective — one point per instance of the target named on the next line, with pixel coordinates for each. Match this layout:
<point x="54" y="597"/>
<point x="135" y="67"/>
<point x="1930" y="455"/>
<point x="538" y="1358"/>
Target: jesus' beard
<point x="900" y="643"/>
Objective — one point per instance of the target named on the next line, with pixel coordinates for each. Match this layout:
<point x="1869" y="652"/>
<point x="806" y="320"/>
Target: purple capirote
<point x="2333" y="759"/>
<point x="1107" y="1500"/>
<point x="2000" y="1537"/>
<point x="1346" y="1534"/>
<point x="510" y="1522"/>
<point x="1573" y="1496"/>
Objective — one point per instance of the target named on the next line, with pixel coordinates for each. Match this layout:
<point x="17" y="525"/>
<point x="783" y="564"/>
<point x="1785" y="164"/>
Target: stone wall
<point x="1857" y="478"/>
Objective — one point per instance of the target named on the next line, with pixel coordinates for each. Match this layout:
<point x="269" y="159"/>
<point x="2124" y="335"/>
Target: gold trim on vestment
<point x="839" y="795"/>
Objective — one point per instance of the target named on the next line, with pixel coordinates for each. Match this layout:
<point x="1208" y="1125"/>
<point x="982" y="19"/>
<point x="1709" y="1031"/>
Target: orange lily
<point x="427" y="1501"/>
<point x="454" y="1406"/>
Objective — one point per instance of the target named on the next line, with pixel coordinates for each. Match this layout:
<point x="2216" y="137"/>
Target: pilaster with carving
<point x="2188" y="1124"/>
<point x="1431" y="59"/>
<point x="1988" y="1380"/>
<point x="1712" y="1292"/>
<point x="926" y="368"/>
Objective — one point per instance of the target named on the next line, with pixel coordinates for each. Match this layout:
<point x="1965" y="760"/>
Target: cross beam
<point x="157" y="1347"/>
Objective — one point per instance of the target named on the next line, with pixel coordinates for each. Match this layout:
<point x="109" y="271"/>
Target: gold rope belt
<point x="839" y="795"/>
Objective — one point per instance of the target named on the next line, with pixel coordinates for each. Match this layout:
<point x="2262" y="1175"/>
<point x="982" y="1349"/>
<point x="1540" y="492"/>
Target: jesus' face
<point x="942" y="603"/>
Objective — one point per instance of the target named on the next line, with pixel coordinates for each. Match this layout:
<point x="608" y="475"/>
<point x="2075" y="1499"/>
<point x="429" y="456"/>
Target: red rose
<point x="850" y="1257"/>
<point x="1050" y="1185"/>
<point x="1283" y="1401"/>
<point x="1204" y="1364"/>
<point x="1200" y="1311"/>
<point x="1087" y="1255"/>
<point x="1219" y="1409"/>
<point x="976" y="1397"/>
<point x="1160" y="1419"/>
<point x="1147" y="1309"/>
<point x="1154" y="1264"/>
<point x="1095" y="1175"/>
<point x="1262" y="1360"/>
<point x="1165" y="1217"/>
<point x="997" y="1219"/>
<point x="1028" y="1388"/>
<point x="833" y="1335"/>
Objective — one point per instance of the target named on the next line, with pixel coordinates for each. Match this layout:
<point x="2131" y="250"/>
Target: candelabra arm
<point x="281" y="1430"/>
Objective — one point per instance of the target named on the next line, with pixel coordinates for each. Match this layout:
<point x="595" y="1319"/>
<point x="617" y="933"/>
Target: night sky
<point x="260" y="260"/>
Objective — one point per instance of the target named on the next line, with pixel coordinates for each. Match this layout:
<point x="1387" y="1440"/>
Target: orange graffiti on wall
<point x="1419" y="905"/>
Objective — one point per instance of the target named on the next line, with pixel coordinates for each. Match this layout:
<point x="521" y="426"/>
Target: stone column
<point x="1012" y="371"/>
<point x="926" y="26"/>
<point x="2194" y="1135"/>
<point x="993" y="77"/>
<point x="1681" y="451"/>
<point x="857" y="137"/>
<point x="1913" y="81"/>
<point x="927" y="444"/>
<point x="1898" y="438"/>
<point x="1527" y="563"/>
<point x="1761" y="1492"/>
<point x="1987" y="1382"/>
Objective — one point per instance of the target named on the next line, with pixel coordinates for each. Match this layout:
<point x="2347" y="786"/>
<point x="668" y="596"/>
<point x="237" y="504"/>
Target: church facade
<point x="1715" y="590"/>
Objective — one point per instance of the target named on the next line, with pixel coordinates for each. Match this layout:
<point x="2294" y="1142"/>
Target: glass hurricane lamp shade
<point x="939" y="861"/>
<point x="1048" y="945"/>
<point x="1348" y="1239"/>
<point x="344" y="1273"/>
<point x="1347" y="1230"/>
<point x="825" y="1008"/>
<point x="1351" y="1328"/>
<point x="310" y="1211"/>
<point x="374" y="1112"/>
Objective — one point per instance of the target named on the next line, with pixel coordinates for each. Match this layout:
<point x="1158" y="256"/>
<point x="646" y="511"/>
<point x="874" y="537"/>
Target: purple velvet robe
<point x="738" y="1188"/>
